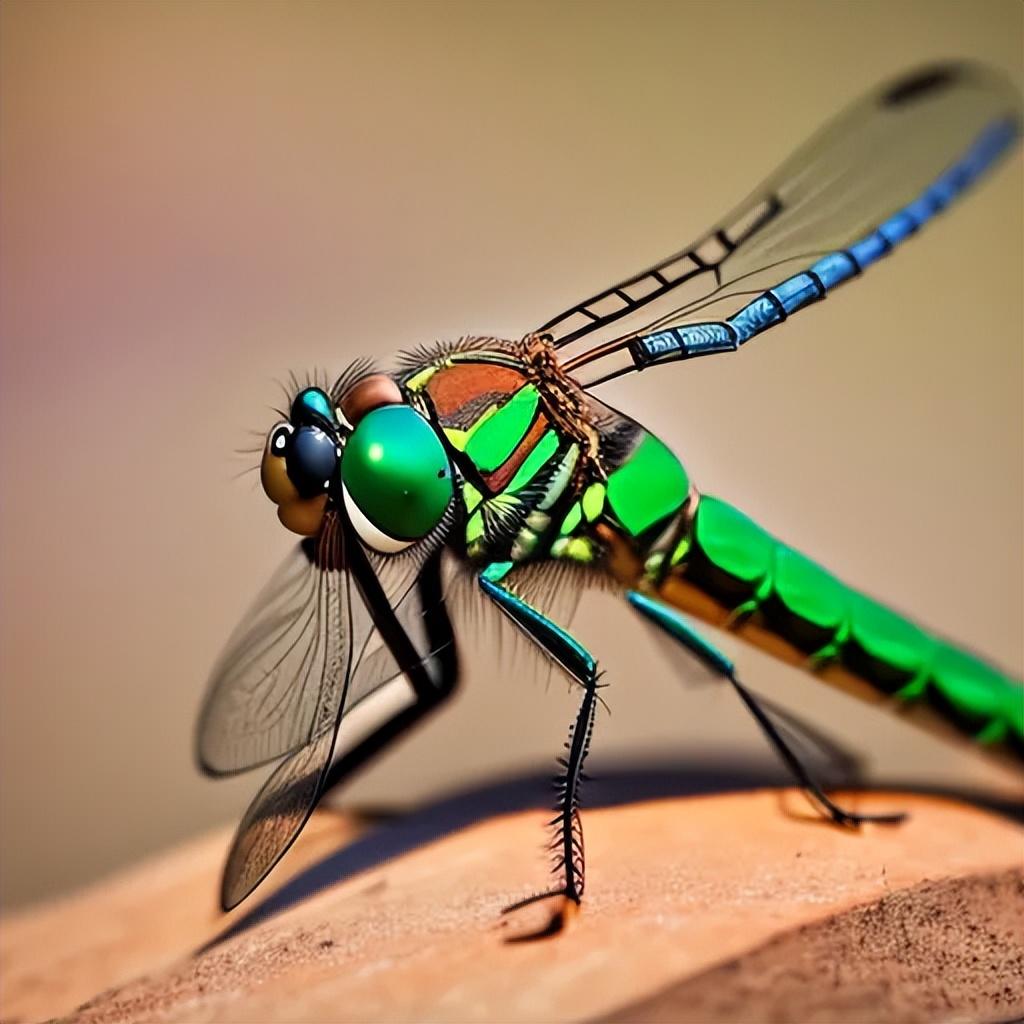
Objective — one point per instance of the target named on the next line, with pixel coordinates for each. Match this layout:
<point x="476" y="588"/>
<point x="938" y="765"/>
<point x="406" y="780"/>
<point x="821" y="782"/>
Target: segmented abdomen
<point x="728" y="557"/>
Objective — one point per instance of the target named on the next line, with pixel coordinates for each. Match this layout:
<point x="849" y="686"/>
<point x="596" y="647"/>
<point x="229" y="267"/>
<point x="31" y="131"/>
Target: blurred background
<point x="199" y="198"/>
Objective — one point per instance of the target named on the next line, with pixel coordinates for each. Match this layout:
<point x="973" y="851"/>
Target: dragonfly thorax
<point x="523" y="435"/>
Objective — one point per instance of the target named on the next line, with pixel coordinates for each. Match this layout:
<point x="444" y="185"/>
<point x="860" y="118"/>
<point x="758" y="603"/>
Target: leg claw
<point x="560" y="909"/>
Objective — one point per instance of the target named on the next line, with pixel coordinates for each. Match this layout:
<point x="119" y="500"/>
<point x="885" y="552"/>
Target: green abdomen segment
<point x="741" y="566"/>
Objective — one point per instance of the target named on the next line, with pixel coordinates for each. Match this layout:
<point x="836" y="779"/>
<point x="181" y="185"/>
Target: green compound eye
<point x="396" y="477"/>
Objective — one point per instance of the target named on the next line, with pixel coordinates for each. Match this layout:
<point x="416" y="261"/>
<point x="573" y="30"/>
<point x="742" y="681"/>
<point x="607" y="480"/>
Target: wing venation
<point x="854" y="192"/>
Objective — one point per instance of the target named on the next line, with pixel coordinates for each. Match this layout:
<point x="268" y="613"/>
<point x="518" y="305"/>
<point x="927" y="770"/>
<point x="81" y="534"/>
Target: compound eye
<point x="396" y="476"/>
<point x="312" y="458"/>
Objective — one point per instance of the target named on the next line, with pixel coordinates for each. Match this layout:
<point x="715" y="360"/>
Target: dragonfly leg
<point x="433" y="678"/>
<point x="580" y="666"/>
<point x="668" y="619"/>
<point x="386" y="733"/>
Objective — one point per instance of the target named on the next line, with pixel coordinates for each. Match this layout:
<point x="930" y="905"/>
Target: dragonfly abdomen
<point x="730" y="572"/>
<point x="750" y="572"/>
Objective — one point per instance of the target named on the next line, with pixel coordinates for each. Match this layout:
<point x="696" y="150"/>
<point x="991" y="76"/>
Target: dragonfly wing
<point x="275" y="818"/>
<point x="379" y="689"/>
<point x="383" y="622"/>
<point x="284" y="803"/>
<point x="278" y="685"/>
<point x="283" y="676"/>
<point x="859" y="187"/>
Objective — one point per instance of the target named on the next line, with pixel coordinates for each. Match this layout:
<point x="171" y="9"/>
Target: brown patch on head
<point x="370" y="393"/>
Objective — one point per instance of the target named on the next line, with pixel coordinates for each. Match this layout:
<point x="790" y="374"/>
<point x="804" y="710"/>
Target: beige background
<point x="199" y="198"/>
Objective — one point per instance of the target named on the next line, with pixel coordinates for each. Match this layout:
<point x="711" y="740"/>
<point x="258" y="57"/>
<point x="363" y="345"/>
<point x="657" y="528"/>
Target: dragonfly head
<point x="301" y="459"/>
<point x="374" y="453"/>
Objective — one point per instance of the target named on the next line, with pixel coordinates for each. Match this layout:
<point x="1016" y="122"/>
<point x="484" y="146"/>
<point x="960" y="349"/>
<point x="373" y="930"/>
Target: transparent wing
<point x="859" y="187"/>
<point x="278" y="685"/>
<point x="359" y="599"/>
<point x="275" y="818"/>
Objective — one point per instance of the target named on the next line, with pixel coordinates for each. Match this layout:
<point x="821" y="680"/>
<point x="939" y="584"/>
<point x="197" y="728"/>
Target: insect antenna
<point x="252" y="451"/>
<point x="244" y="472"/>
<point x="285" y="394"/>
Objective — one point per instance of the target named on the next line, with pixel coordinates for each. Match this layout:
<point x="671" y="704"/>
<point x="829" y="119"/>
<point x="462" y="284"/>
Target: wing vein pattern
<point x="852" y="194"/>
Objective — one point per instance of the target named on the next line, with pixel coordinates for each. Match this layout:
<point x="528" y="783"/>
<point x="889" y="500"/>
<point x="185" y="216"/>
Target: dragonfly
<point x="496" y="457"/>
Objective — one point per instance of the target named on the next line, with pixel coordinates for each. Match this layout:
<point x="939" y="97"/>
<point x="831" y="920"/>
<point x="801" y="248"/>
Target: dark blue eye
<point x="310" y="406"/>
<point x="312" y="461"/>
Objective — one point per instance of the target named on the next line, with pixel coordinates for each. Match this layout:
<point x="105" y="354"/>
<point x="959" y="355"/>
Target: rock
<point x="709" y="908"/>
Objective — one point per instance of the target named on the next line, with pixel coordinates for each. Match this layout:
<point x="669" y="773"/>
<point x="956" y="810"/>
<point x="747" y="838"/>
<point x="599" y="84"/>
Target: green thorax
<point x="542" y="463"/>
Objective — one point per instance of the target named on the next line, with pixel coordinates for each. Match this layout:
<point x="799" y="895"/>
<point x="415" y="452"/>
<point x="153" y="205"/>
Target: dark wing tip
<point x="923" y="82"/>
<point x="232" y="894"/>
<point x="200" y="752"/>
<point x="934" y="79"/>
<point x="205" y="754"/>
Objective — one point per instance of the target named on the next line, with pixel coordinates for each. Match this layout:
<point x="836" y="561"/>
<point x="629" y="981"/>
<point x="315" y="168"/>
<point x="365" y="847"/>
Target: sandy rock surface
<point x="729" y="907"/>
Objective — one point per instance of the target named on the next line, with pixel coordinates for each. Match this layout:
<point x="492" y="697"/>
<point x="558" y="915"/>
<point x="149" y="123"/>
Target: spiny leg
<point x="567" y="845"/>
<point x="669" y="620"/>
<point x="579" y="665"/>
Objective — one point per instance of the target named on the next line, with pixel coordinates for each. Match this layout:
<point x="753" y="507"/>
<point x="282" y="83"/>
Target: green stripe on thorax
<point x="526" y="500"/>
<point x="497" y="434"/>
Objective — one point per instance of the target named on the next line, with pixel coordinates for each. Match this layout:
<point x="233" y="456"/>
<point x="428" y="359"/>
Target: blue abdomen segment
<point x="683" y="342"/>
<point x="835" y="268"/>
<point x="774" y="305"/>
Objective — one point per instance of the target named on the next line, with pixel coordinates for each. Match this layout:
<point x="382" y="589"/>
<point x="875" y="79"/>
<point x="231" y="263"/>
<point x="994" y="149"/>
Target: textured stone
<point x="720" y="907"/>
